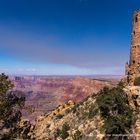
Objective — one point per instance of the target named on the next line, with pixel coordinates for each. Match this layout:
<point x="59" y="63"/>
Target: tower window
<point x="133" y="61"/>
<point x="136" y="19"/>
<point x="133" y="32"/>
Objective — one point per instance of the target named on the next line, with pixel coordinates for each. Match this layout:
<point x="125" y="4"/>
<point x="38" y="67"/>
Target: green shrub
<point x="59" y="116"/>
<point x="64" y="133"/>
<point x="77" y="135"/>
<point x="137" y="81"/>
<point x="92" y="112"/>
<point x="58" y="132"/>
<point x="74" y="109"/>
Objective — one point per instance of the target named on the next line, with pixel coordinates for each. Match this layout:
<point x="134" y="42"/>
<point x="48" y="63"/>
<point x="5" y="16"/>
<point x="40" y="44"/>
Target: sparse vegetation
<point x="63" y="133"/>
<point x="77" y="135"/>
<point x="137" y="81"/>
<point x="118" y="115"/>
<point x="74" y="109"/>
<point x="59" y="116"/>
<point x="92" y="112"/>
<point x="58" y="132"/>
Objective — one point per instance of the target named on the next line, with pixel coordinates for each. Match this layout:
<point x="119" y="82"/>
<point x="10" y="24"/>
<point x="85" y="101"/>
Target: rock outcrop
<point x="133" y="93"/>
<point x="71" y="122"/>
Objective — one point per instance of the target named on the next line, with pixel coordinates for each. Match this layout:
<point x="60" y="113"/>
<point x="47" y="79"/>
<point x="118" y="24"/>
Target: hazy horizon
<point x="98" y="77"/>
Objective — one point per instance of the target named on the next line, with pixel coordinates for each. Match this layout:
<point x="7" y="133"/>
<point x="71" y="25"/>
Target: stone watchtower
<point x="132" y="69"/>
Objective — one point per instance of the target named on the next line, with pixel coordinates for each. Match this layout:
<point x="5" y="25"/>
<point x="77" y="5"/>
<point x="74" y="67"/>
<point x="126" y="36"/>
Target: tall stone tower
<point x="133" y="67"/>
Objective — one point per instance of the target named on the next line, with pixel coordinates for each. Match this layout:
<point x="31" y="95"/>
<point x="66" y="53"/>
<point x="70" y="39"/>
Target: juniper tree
<point x="10" y="105"/>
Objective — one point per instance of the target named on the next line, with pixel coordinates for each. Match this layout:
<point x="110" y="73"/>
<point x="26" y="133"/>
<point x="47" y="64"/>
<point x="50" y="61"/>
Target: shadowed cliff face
<point x="43" y="94"/>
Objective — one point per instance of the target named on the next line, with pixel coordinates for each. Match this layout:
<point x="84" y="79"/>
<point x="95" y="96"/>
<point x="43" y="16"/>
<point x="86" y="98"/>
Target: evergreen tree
<point x="118" y="115"/>
<point x="11" y="104"/>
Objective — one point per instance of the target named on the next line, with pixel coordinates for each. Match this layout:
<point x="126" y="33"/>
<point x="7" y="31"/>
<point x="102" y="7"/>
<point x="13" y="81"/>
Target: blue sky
<point x="50" y="37"/>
